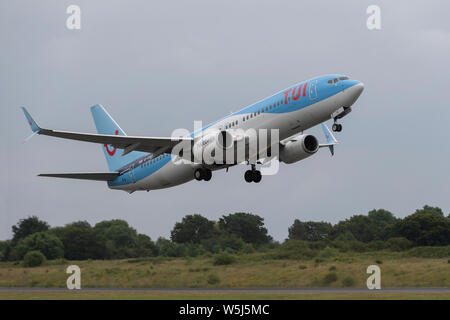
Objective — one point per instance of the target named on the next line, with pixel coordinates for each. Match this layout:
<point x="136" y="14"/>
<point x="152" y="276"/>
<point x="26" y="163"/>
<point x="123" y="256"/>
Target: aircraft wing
<point x="156" y="145"/>
<point x="97" y="176"/>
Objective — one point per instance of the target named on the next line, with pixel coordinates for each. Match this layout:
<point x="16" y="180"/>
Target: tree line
<point x="238" y="232"/>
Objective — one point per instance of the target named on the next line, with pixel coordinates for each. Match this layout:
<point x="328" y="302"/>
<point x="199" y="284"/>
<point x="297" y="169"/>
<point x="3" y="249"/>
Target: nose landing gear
<point x="336" y="127"/>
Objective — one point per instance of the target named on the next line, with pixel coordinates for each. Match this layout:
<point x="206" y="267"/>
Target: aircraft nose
<point x="356" y="90"/>
<point x="359" y="88"/>
<point x="352" y="93"/>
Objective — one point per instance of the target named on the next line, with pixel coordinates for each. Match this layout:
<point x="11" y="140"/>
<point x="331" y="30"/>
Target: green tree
<point x="80" y="241"/>
<point x="45" y="242"/>
<point x="5" y="249"/>
<point x="28" y="226"/>
<point x="117" y="231"/>
<point x="381" y="218"/>
<point x="310" y="230"/>
<point x="361" y="227"/>
<point x="247" y="226"/>
<point x="193" y="229"/>
<point x="167" y="248"/>
<point x="425" y="227"/>
<point x="33" y="259"/>
<point x="145" y="246"/>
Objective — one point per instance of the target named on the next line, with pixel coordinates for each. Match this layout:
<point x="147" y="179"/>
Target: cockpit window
<point x="331" y="81"/>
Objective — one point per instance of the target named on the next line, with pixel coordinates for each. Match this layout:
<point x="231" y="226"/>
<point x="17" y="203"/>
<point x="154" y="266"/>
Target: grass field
<point x="249" y="271"/>
<point x="139" y="295"/>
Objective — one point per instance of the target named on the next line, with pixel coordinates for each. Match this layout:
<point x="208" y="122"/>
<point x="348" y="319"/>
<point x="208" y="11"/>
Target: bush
<point x="293" y="249"/>
<point x="213" y="279"/>
<point x="429" y="252"/>
<point x="330" y="278"/>
<point x="223" y="259"/>
<point x="332" y="268"/>
<point x="376" y="245"/>
<point x="33" y="259"/>
<point x="247" y="248"/>
<point x="348" y="281"/>
<point x="328" y="253"/>
<point x="399" y="244"/>
<point x="46" y="243"/>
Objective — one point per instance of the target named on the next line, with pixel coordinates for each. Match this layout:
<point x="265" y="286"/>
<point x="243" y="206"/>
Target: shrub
<point x="248" y="248"/>
<point x="399" y="244"/>
<point x="46" y="243"/>
<point x="332" y="268"/>
<point x="213" y="279"/>
<point x="348" y="281"/>
<point x="376" y="245"/>
<point x="330" y="278"/>
<point x="328" y="252"/>
<point x="429" y="252"/>
<point x="293" y="249"/>
<point x="224" y="258"/>
<point x="357" y="246"/>
<point x="378" y="261"/>
<point x="33" y="259"/>
<point x="303" y="267"/>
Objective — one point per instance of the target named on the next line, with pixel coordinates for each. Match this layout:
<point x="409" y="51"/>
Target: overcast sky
<point x="159" y="65"/>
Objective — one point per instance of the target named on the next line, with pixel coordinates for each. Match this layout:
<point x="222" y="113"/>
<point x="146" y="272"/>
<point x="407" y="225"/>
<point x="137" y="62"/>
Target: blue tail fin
<point x="106" y="125"/>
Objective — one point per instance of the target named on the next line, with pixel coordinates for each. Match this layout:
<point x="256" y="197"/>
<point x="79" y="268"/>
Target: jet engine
<point x="299" y="148"/>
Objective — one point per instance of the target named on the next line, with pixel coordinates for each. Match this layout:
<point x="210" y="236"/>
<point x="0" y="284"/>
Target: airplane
<point x="147" y="163"/>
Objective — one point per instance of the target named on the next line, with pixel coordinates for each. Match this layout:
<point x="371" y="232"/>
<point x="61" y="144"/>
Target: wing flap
<point x="96" y="176"/>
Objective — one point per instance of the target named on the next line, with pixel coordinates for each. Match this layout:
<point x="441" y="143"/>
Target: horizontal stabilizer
<point x="331" y="140"/>
<point x="98" y="176"/>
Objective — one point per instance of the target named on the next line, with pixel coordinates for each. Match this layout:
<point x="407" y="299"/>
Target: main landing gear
<point x="252" y="175"/>
<point x="337" y="127"/>
<point x="202" y="174"/>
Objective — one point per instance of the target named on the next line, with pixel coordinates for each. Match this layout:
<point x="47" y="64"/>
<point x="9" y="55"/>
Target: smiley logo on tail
<point x="113" y="151"/>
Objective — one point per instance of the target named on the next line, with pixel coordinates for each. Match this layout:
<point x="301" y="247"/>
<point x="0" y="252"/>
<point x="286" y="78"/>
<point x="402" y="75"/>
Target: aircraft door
<point x="313" y="90"/>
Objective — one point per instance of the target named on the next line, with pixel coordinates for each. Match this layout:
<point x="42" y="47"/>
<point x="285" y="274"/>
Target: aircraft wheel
<point x="248" y="176"/>
<point x="198" y="174"/>
<point x="337" y="127"/>
<point x="208" y="175"/>
<point x="257" y="176"/>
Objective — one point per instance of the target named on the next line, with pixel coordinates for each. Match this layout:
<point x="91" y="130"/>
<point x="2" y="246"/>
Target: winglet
<point x="331" y="140"/>
<point x="34" y="127"/>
